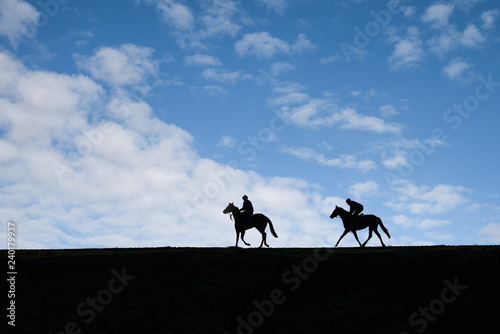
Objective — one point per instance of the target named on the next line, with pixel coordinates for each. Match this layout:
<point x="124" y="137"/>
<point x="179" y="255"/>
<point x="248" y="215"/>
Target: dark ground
<point x="218" y="290"/>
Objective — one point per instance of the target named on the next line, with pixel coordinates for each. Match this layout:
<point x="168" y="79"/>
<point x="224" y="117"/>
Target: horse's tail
<point x="272" y="228"/>
<point x="383" y="228"/>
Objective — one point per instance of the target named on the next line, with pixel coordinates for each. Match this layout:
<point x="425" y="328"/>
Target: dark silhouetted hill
<point x="227" y="290"/>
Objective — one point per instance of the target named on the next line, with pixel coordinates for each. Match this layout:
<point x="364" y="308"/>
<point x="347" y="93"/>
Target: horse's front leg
<point x="237" y="237"/>
<point x="343" y="235"/>
<point x="242" y="238"/>
<point x="380" y="237"/>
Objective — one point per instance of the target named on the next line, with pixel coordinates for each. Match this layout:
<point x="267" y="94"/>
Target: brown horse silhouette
<point x="364" y="221"/>
<point x="241" y="224"/>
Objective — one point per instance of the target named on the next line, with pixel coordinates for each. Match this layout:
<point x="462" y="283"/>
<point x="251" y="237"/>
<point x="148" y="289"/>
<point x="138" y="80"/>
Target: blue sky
<point x="134" y="123"/>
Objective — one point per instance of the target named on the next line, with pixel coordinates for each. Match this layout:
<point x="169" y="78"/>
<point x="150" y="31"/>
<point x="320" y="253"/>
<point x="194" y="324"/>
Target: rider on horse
<point x="247" y="208"/>
<point x="355" y="210"/>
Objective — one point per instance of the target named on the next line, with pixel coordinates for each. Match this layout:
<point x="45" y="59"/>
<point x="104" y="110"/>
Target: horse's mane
<point x="341" y="208"/>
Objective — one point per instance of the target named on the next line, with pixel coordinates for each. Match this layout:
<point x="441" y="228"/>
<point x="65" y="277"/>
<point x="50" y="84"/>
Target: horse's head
<point x="229" y="208"/>
<point x="336" y="212"/>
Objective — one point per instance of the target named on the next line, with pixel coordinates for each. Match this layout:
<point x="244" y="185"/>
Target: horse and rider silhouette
<point x="353" y="222"/>
<point x="245" y="219"/>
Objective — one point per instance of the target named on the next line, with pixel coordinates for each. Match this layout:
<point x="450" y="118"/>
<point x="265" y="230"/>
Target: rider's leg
<point x="356" y="219"/>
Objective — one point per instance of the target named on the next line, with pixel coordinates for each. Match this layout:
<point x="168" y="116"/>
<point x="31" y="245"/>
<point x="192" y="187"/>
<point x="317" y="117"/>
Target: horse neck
<point x="345" y="216"/>
<point x="236" y="213"/>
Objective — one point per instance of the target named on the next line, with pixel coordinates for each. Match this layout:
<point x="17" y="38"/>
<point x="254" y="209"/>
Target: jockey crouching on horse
<point x="355" y="210"/>
<point x="247" y="208"/>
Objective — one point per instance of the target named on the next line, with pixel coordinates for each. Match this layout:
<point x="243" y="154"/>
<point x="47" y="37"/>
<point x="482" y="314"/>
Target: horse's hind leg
<point x="264" y="237"/>
<point x="369" y="237"/>
<point x="379" y="236"/>
<point x="263" y="241"/>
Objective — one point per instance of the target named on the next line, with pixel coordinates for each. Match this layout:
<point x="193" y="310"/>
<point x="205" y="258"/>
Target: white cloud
<point x="445" y="237"/>
<point x="202" y="60"/>
<point x="176" y="14"/>
<point x="446" y="42"/>
<point x="126" y="65"/>
<point x="450" y="39"/>
<point x="408" y="52"/>
<point x="472" y="37"/>
<point x="215" y="90"/>
<point x="192" y="28"/>
<point x="278" y="6"/>
<point x="400" y="158"/>
<point x="363" y="189"/>
<point x="492" y="232"/>
<point x="303" y="45"/>
<point x="403" y="221"/>
<point x="395" y="152"/>
<point x="260" y="44"/>
<point x="228" y="142"/>
<point x="350" y="119"/>
<point x="466" y="5"/>
<point x="12" y="72"/>
<point x="426" y="200"/>
<point x="344" y="161"/>
<point x="313" y="113"/>
<point x="18" y="20"/>
<point x="292" y="97"/>
<point x="302" y="110"/>
<point x="438" y="14"/>
<point x="428" y="223"/>
<point x="456" y="68"/>
<point x="279" y="67"/>
<point x="489" y="17"/>
<point x="218" y="19"/>
<point x="330" y="59"/>
<point x="41" y="102"/>
<point x="388" y="110"/>
<point x="408" y="11"/>
<point x="421" y="224"/>
<point x="222" y="75"/>
<point x="263" y="45"/>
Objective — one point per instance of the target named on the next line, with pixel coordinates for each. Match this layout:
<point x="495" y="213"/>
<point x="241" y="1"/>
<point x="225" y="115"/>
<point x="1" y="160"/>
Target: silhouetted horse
<point x="241" y="224"/>
<point x="364" y="221"/>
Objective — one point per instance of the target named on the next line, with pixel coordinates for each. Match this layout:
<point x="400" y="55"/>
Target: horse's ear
<point x="336" y="207"/>
<point x="232" y="203"/>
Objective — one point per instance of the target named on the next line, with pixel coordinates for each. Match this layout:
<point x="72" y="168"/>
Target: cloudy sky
<point x="133" y="123"/>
